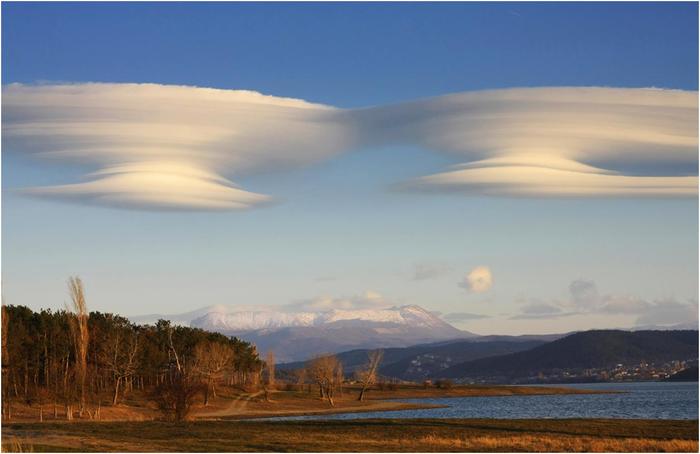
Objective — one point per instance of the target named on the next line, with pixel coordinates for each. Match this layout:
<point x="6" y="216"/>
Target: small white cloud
<point x="369" y="300"/>
<point x="478" y="280"/>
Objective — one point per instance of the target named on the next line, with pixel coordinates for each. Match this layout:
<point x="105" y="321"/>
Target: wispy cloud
<point x="369" y="300"/>
<point x="584" y="298"/>
<point x="428" y="270"/>
<point x="459" y="317"/>
<point x="176" y="147"/>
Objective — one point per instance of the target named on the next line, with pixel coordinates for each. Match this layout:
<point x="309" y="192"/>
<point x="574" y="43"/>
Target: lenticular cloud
<point x="174" y="147"/>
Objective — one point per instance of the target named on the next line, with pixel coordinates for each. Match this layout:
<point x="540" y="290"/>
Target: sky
<point x="376" y="187"/>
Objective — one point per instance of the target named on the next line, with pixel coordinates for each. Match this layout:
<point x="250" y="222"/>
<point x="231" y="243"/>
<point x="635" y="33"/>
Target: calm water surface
<point x="647" y="400"/>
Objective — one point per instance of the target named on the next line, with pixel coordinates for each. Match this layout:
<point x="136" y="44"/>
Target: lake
<point x="645" y="400"/>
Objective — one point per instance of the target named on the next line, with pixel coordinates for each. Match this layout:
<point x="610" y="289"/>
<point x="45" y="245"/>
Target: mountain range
<point x="584" y="350"/>
<point x="514" y="359"/>
<point x="419" y="345"/>
<point x="295" y="336"/>
<point x="420" y="362"/>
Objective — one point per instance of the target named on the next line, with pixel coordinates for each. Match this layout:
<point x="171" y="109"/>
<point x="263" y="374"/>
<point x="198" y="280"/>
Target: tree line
<point x="79" y="361"/>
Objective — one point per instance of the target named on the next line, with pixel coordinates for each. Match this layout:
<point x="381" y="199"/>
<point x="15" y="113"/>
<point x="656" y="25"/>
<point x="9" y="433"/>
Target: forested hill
<point x="85" y="359"/>
<point x="589" y="349"/>
<point x="427" y="360"/>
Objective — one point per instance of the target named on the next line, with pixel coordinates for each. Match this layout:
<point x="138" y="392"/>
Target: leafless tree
<point x="6" y="406"/>
<point x="81" y="336"/>
<point x="175" y="395"/>
<point x="268" y="382"/>
<point x="324" y="371"/>
<point x="368" y="375"/>
<point x="300" y="377"/>
<point x="211" y="360"/>
<point x="173" y="351"/>
<point x="120" y="357"/>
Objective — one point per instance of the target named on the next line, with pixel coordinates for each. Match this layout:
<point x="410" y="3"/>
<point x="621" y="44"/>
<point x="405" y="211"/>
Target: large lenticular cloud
<point x="553" y="141"/>
<point x="168" y="147"/>
<point x="175" y="147"/>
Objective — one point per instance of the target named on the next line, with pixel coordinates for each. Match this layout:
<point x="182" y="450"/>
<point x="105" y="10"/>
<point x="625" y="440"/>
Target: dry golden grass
<point x="14" y="444"/>
<point x="528" y="443"/>
<point x="375" y="435"/>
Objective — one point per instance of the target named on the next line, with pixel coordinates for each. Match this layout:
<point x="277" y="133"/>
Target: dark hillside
<point x="590" y="349"/>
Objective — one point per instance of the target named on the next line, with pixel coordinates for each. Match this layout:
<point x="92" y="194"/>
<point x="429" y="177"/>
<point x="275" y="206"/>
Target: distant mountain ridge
<point x="588" y="349"/>
<point x="425" y="361"/>
<point x="299" y="335"/>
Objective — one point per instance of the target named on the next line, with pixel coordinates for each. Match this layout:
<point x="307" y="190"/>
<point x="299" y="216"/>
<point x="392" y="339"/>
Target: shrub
<point x="444" y="384"/>
<point x="176" y="394"/>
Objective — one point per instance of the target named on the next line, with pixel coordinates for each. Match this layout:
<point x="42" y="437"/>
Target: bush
<point x="176" y="394"/>
<point x="444" y="384"/>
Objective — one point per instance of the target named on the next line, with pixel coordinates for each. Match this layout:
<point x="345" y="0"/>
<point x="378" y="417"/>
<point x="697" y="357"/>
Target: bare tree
<point x="300" y="376"/>
<point x="6" y="407"/>
<point x="172" y="348"/>
<point x="324" y="371"/>
<point x="268" y="382"/>
<point x="175" y="395"/>
<point x="368" y="375"/>
<point x="270" y="366"/>
<point x="120" y="357"/>
<point x="211" y="359"/>
<point x="81" y="336"/>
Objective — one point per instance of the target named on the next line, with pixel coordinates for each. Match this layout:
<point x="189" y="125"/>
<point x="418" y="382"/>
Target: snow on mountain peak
<point x="224" y="319"/>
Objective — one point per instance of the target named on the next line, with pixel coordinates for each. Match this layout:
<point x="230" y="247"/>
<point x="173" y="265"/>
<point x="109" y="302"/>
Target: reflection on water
<point x="646" y="400"/>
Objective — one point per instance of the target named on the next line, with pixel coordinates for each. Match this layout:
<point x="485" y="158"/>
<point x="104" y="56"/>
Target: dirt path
<point x="236" y="407"/>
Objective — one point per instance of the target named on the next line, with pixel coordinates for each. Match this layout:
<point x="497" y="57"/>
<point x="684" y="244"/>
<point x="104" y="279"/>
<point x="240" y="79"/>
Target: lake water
<point x="646" y="400"/>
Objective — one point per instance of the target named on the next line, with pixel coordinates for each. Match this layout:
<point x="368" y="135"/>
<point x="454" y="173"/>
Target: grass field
<point x="377" y="435"/>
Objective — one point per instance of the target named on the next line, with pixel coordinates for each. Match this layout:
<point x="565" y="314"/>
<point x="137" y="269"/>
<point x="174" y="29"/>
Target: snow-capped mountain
<point x="298" y="335"/>
<point x="257" y="320"/>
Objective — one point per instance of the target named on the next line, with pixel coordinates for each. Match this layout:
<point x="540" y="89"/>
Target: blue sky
<point x="338" y="229"/>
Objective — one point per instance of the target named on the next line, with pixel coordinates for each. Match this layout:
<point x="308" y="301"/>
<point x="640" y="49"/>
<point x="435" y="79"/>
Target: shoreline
<point x="381" y="406"/>
<point x="395" y="402"/>
<point x="288" y="403"/>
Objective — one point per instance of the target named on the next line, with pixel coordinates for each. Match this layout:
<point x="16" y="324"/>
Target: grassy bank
<point x="376" y="435"/>
<point x="236" y="404"/>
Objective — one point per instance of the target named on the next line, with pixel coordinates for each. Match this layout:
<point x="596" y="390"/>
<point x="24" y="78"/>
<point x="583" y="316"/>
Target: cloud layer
<point x="165" y="146"/>
<point x="369" y="300"/>
<point x="176" y="147"/>
<point x="584" y="298"/>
